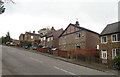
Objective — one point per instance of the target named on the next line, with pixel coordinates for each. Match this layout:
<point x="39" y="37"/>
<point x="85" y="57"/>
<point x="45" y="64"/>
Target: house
<point x="21" y="37"/>
<point x="75" y="36"/>
<point x="110" y="42"/>
<point x="30" y="37"/>
<point x="43" y="31"/>
<point x="52" y="38"/>
<point x="44" y="37"/>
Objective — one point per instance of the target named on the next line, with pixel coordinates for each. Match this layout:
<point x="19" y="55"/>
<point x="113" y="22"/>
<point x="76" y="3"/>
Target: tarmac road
<point x="21" y="62"/>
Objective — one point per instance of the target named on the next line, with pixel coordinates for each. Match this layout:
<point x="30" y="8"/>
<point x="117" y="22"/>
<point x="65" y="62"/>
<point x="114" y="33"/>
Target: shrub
<point x="40" y="46"/>
<point x="116" y="61"/>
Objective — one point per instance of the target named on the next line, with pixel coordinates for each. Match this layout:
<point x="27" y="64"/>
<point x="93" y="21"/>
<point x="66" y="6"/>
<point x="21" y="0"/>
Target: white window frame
<point x="116" y="38"/>
<point x="98" y="47"/>
<point x="31" y="37"/>
<point x="77" y="45"/>
<point x="114" y="51"/>
<point x="44" y="38"/>
<point x="77" y="34"/>
<point x="102" y="40"/>
<point x="103" y="52"/>
<point x="48" y="39"/>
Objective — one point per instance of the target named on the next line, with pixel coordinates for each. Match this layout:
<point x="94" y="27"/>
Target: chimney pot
<point x="33" y="31"/>
<point x="77" y="23"/>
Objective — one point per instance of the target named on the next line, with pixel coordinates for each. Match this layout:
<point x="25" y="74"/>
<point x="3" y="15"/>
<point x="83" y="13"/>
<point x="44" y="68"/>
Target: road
<point x="21" y="62"/>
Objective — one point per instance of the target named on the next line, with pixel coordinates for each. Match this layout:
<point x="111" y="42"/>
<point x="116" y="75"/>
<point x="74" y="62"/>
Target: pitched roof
<point x="78" y="28"/>
<point x="33" y="34"/>
<point x="111" y="28"/>
<point x="54" y="33"/>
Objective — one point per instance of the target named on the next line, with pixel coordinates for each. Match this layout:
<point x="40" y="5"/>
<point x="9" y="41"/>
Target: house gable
<point x="73" y="29"/>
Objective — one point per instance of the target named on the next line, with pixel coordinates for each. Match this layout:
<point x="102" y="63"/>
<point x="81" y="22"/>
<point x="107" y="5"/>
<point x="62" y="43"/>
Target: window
<point x="63" y="47"/>
<point x="31" y="37"/>
<point x="77" y="45"/>
<point x="116" y="37"/>
<point x="104" y="54"/>
<point x="48" y="39"/>
<point x="104" y="39"/>
<point x="41" y="39"/>
<point x="51" y="38"/>
<point x="115" y="52"/>
<point x="77" y="35"/>
<point x="44" y="38"/>
<point x="98" y="46"/>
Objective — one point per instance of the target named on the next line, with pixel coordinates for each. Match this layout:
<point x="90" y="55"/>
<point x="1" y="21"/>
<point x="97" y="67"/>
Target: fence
<point x="45" y="50"/>
<point x="63" y="53"/>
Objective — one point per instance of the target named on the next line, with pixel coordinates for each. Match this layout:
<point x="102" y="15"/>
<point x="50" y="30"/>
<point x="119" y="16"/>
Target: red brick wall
<point x="42" y="49"/>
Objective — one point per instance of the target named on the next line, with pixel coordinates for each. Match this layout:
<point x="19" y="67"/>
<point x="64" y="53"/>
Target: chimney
<point x="77" y="23"/>
<point x="52" y="28"/>
<point x="34" y="32"/>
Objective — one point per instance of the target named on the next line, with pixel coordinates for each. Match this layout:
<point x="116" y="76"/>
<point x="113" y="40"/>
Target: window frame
<point x="115" y="51"/>
<point x="76" y="35"/>
<point x="48" y="39"/>
<point x="51" y="38"/>
<point x="102" y="40"/>
<point x="32" y="37"/>
<point x="102" y="54"/>
<point x="116" y="38"/>
<point x="77" y="45"/>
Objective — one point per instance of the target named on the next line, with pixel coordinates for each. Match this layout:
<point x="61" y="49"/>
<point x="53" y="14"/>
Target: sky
<point x="33" y="15"/>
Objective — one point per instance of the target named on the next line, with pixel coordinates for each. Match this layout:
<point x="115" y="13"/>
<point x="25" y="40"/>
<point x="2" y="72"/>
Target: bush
<point x="116" y="61"/>
<point x="40" y="46"/>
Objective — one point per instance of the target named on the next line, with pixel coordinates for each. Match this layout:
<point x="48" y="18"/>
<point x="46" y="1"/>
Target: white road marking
<point x="36" y="60"/>
<point x="64" y="70"/>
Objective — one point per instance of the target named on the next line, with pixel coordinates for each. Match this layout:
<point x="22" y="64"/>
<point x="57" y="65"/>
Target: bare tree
<point x="2" y="9"/>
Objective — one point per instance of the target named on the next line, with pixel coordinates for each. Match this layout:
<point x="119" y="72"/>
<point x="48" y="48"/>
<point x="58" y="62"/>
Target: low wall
<point x="45" y="50"/>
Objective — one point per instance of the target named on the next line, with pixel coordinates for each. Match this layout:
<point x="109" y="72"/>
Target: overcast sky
<point x="29" y="15"/>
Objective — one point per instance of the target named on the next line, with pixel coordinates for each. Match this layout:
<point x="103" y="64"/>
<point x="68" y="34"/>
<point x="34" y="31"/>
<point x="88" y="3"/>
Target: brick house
<point x="52" y="38"/>
<point x="110" y="42"/>
<point x="30" y="37"/>
<point x="75" y="36"/>
<point x="21" y="37"/>
<point x="44" y="37"/>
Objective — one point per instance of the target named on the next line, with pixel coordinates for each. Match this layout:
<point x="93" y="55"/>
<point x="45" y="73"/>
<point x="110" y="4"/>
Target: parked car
<point x="26" y="47"/>
<point x="53" y="49"/>
<point x="34" y="47"/>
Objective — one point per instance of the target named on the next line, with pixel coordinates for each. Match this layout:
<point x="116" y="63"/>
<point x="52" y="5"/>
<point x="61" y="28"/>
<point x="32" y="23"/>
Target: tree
<point x="2" y="9"/>
<point x="6" y="39"/>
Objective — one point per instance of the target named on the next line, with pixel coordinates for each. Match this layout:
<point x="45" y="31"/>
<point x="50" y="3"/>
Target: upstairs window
<point x="104" y="39"/>
<point x="77" y="35"/>
<point x="116" y="37"/>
